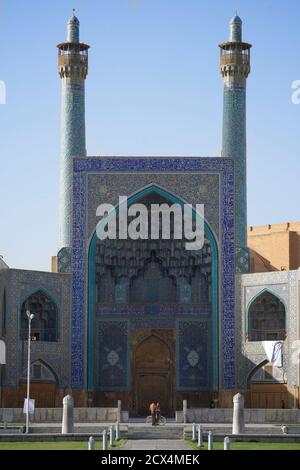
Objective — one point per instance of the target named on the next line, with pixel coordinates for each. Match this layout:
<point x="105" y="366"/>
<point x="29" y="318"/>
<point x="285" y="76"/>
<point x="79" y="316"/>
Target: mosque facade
<point x="142" y="319"/>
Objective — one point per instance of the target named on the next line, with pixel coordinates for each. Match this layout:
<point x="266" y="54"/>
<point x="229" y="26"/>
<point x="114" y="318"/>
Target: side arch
<point x="250" y="313"/>
<point x="44" y="384"/>
<point x="51" y="336"/>
<point x="44" y="291"/>
<point x="268" y="291"/>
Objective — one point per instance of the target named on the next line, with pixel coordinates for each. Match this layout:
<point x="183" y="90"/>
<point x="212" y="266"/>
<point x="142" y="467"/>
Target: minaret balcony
<point x="234" y="59"/>
<point x="72" y="60"/>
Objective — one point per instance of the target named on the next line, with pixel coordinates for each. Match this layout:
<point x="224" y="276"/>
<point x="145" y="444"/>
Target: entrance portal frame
<point x="80" y="247"/>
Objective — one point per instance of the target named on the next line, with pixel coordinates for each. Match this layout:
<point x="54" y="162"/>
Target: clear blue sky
<point x="153" y="89"/>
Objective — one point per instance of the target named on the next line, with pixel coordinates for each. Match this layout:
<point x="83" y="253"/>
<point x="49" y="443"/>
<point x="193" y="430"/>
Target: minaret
<point x="73" y="70"/>
<point x="235" y="68"/>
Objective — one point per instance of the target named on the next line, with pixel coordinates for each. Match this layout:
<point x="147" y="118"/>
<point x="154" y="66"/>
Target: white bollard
<point x="104" y="440"/>
<point x="68" y="415"/>
<point x="111" y="436"/>
<point x="226" y="443"/>
<point x="238" y="421"/>
<point x="200" y="436"/>
<point x="284" y="429"/>
<point x="210" y="441"/>
<point x="194" y="432"/>
<point x="119" y="412"/>
<point x="117" y="430"/>
<point x="91" y="445"/>
<point x="184" y="411"/>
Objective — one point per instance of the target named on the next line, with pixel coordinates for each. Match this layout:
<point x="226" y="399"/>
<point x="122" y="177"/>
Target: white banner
<point x="273" y="351"/>
<point x="31" y="406"/>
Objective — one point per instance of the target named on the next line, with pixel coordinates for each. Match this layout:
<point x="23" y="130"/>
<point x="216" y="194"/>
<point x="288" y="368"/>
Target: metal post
<point x="119" y="411"/>
<point x="210" y="440"/>
<point x="194" y="432"/>
<point x="117" y="428"/>
<point x="200" y="436"/>
<point x="111" y="436"/>
<point x="184" y="411"/>
<point x="30" y="317"/>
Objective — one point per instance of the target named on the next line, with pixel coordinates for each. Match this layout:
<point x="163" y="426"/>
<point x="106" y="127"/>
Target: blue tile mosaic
<point x="193" y="355"/>
<point x="112" y="345"/>
<point x="234" y="146"/>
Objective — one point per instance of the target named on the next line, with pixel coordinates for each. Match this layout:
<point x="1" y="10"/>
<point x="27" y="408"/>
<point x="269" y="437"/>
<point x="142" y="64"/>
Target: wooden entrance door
<point x="153" y="386"/>
<point x="269" y="396"/>
<point x="153" y="376"/>
<point x="42" y="393"/>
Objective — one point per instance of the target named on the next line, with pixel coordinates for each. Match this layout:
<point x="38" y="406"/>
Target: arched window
<point x="44" y="324"/>
<point x="266" y="318"/>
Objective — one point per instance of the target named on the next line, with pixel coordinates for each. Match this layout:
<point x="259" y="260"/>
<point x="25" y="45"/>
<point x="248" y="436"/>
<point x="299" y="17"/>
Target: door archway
<point x="267" y="389"/>
<point x="120" y="292"/>
<point x="43" y="387"/>
<point x="153" y="375"/>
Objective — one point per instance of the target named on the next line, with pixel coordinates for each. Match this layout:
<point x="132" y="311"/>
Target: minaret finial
<point x="235" y="29"/>
<point x="73" y="28"/>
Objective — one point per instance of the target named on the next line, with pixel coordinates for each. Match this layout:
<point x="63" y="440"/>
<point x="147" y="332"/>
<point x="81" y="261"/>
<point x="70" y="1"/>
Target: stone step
<point x="154" y="432"/>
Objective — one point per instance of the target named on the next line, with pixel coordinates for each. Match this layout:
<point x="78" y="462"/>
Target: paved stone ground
<point x="155" y="444"/>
